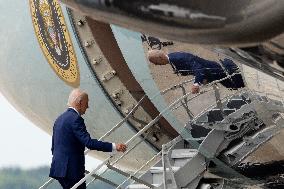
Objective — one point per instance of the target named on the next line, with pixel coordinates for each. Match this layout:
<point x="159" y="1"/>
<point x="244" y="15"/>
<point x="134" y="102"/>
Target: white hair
<point x="154" y="56"/>
<point x="75" y="96"/>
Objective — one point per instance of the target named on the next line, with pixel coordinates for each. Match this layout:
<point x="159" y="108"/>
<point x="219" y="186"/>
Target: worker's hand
<point x="121" y="147"/>
<point x="195" y="89"/>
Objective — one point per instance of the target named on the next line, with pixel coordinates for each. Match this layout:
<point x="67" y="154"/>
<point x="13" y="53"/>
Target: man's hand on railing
<point x="195" y="89"/>
<point x="121" y="147"/>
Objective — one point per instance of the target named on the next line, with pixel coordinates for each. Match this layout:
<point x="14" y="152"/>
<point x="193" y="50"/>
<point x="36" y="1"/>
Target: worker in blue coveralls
<point x="205" y="71"/>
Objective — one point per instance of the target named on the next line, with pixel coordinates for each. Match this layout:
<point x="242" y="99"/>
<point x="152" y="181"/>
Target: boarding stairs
<point x="248" y="119"/>
<point x="108" y="164"/>
<point x="240" y="119"/>
<point x="179" y="168"/>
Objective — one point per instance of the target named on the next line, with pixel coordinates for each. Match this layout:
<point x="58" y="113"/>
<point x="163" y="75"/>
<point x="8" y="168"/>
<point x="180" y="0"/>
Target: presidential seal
<point x="54" y="39"/>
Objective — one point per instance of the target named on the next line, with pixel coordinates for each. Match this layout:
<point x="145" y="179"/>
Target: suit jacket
<point x="69" y="140"/>
<point x="186" y="63"/>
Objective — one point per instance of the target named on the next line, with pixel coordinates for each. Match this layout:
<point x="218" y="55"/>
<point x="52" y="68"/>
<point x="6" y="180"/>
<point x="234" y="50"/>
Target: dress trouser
<point x="69" y="183"/>
<point x="235" y="81"/>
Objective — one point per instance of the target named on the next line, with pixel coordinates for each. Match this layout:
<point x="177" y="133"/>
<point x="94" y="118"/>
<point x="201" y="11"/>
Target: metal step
<point x="216" y="115"/>
<point x="137" y="186"/>
<point x="182" y="156"/>
<point x="188" y="167"/>
<point x="205" y="186"/>
<point x="235" y="103"/>
<point x="246" y="97"/>
<point x="192" y="166"/>
<point x="157" y="173"/>
<point x="157" y="170"/>
<point x="127" y="175"/>
<point x="194" y="183"/>
<point x="229" y="106"/>
<point x="241" y="96"/>
<point x="102" y="179"/>
<point x="191" y="170"/>
<point x="183" y="153"/>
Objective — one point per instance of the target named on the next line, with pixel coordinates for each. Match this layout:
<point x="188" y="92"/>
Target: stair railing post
<point x="218" y="98"/>
<point x="277" y="82"/>
<point x="164" y="168"/>
<point x="185" y="104"/>
<point x="124" y="154"/>
<point x="137" y="171"/>
<point x="166" y="148"/>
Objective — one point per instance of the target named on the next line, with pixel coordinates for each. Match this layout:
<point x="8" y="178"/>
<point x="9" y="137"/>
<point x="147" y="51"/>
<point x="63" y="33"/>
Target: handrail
<point x="138" y="170"/>
<point x="162" y="113"/>
<point x="170" y="144"/>
<point x="179" y="85"/>
<point x="101" y="138"/>
<point x="136" y="107"/>
<point x="212" y="84"/>
<point x="132" y="175"/>
<point x="124" y="154"/>
<point x="126" y="118"/>
<point x="47" y="183"/>
<point x="137" y="135"/>
<point x="213" y="104"/>
<point x="252" y="91"/>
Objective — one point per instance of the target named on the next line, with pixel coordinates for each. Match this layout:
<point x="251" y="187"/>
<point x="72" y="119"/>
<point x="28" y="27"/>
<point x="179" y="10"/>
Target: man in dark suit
<point x="205" y="71"/>
<point x="69" y="140"/>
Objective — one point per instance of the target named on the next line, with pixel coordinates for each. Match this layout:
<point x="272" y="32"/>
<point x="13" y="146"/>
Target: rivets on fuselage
<point x="89" y="43"/>
<point x="81" y="22"/>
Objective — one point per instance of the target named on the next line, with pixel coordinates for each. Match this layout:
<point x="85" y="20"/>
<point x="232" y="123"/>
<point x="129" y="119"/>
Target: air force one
<point x="217" y="139"/>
